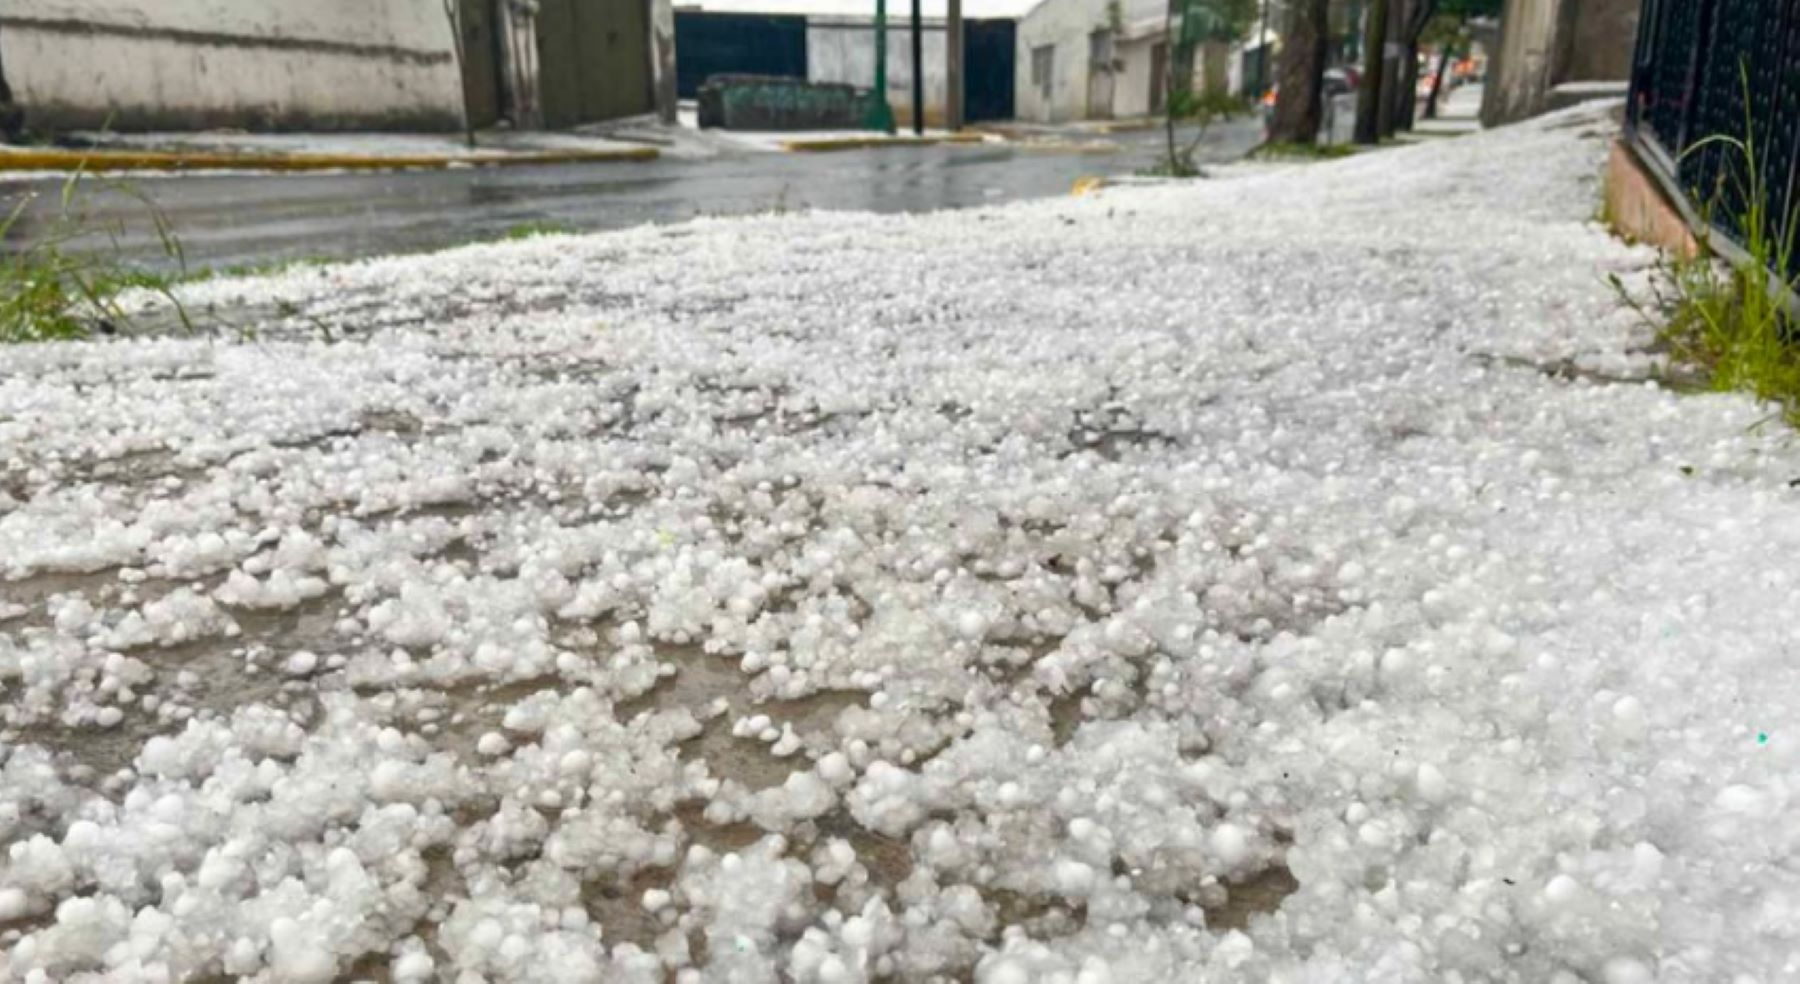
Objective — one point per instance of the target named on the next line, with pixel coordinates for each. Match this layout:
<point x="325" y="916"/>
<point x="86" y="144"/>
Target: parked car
<point x="1336" y="82"/>
<point x="1339" y="81"/>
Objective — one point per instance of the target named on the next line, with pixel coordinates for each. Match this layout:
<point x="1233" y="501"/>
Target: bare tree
<point x="1299" y="102"/>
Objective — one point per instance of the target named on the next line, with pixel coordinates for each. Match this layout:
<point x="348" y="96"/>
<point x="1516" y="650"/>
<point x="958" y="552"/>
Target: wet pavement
<point x="243" y="219"/>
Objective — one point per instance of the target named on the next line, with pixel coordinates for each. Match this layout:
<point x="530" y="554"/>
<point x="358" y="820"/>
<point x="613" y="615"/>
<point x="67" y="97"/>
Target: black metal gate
<point x="1721" y="68"/>
<point x="988" y="53"/>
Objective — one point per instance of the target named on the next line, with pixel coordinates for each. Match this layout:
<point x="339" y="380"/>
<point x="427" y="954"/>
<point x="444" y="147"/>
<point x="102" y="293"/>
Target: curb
<point x="828" y="144"/>
<point x="158" y="160"/>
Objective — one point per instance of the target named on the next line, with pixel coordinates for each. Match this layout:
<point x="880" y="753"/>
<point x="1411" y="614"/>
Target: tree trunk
<point x="1406" y="99"/>
<point x="1406" y="94"/>
<point x="1368" y="96"/>
<point x="1392" y="70"/>
<point x="1168" y="82"/>
<point x="1437" y="83"/>
<point x="1298" y="104"/>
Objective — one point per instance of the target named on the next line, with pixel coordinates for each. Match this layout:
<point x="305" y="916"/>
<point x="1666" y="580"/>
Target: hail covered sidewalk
<point x="1287" y="576"/>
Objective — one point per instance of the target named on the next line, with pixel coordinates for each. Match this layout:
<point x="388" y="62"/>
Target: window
<point x="1100" y="50"/>
<point x="1043" y="68"/>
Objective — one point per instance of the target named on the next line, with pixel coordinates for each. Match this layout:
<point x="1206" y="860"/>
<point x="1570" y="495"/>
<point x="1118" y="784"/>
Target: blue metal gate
<point x="736" y="44"/>
<point x="1712" y="68"/>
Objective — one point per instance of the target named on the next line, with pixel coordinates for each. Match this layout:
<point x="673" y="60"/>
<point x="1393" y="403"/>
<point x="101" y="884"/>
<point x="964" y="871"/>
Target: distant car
<point x="1336" y="82"/>
<point x="1340" y="81"/>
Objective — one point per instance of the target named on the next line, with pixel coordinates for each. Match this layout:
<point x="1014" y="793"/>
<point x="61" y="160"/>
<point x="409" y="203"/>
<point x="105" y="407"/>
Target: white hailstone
<point x="1074" y="877"/>
<point x="1741" y="799"/>
<point x="414" y="966"/>
<point x="788" y="743"/>
<point x="576" y="763"/>
<point x="1626" y="970"/>
<point x="1562" y="890"/>
<point x="1628" y="716"/>
<point x="1432" y="785"/>
<point x="835" y="768"/>
<point x="300" y="664"/>
<point x="1230" y="844"/>
<point x="14" y="904"/>
<point x="493" y="744"/>
<point x="971" y="625"/>
<point x="1375" y="834"/>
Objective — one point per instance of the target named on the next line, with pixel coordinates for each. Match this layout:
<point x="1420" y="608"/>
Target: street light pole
<point x="953" y="74"/>
<point x="918" y="70"/>
<point x="1262" y="53"/>
<point x="881" y="115"/>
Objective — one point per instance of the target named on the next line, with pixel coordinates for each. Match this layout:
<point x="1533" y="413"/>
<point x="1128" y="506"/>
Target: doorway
<point x="594" y="60"/>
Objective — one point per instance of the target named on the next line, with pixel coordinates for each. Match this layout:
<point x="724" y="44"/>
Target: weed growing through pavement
<point x="1734" y="320"/>
<point x="52" y="291"/>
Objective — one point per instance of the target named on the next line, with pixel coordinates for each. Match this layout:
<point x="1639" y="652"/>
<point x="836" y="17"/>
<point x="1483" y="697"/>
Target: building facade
<point x="332" y="64"/>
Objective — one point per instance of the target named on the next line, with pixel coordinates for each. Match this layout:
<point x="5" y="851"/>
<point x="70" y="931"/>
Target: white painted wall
<point x="840" y="49"/>
<point x="317" y="63"/>
<point x="1066" y="25"/>
<point x="1132" y="87"/>
<point x="1063" y="26"/>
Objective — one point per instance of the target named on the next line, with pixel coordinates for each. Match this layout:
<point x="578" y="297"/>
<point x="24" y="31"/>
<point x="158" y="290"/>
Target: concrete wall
<point x="843" y="50"/>
<point x="1545" y="43"/>
<point x="326" y="64"/>
<point x="1064" y="26"/>
<point x="1133" y="83"/>
<point x="1067" y="25"/>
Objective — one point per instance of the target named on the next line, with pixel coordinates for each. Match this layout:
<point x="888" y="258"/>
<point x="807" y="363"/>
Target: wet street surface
<point x="242" y="219"/>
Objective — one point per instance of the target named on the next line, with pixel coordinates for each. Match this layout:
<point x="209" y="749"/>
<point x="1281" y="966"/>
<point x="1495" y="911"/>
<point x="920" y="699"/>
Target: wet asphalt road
<point x="230" y="220"/>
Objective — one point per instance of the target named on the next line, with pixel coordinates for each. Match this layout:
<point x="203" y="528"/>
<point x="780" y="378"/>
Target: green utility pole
<point x="918" y="70"/>
<point x="1262" y="53"/>
<point x="881" y="115"/>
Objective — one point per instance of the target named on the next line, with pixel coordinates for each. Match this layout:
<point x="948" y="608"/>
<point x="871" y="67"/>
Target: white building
<point x="1061" y="60"/>
<point x="330" y="64"/>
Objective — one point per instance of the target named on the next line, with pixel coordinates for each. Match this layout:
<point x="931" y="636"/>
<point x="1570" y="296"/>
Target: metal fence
<point x="1720" y="68"/>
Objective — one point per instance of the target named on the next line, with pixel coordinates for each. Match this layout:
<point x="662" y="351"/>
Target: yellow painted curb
<point x="827" y="144"/>
<point x="1129" y="126"/>
<point x="1087" y="185"/>
<point x="159" y="160"/>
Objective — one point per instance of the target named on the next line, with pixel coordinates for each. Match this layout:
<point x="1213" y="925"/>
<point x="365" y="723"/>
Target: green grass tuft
<point x="52" y="291"/>
<point x="1736" y="320"/>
